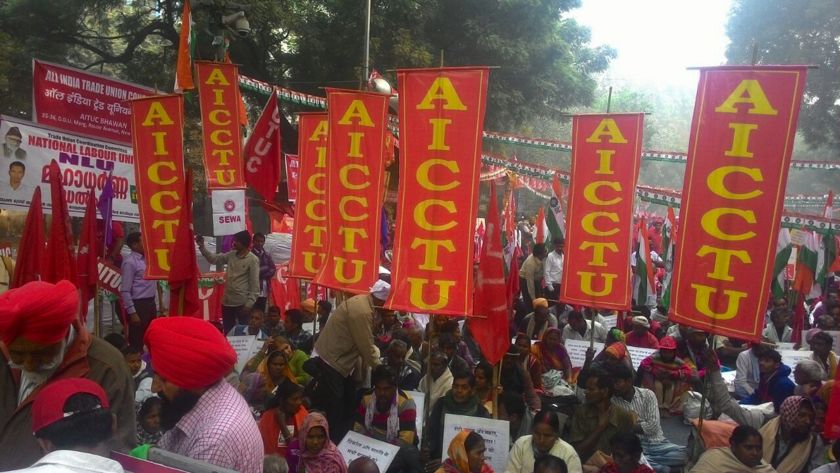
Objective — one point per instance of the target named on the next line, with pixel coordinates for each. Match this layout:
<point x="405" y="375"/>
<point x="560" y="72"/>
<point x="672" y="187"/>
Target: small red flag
<point x="831" y="430"/>
<point x="184" y="273"/>
<point x="60" y="262"/>
<point x="86" y="257"/>
<point x="513" y="275"/>
<point x="262" y="152"/>
<point x="30" y="255"/>
<point x="490" y="326"/>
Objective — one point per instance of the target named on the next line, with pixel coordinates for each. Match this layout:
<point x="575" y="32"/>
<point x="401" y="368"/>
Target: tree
<point x="795" y="32"/>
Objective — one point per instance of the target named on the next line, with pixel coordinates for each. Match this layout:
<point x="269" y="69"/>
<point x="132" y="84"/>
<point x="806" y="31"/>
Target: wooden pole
<point x="609" y="99"/>
<point x="160" y="297"/>
<point x="181" y="294"/>
<point x="97" y="312"/>
<point x="427" y="408"/>
<point x="497" y="381"/>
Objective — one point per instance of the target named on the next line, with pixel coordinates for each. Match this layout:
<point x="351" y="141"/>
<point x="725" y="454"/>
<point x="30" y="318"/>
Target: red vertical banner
<point x="738" y="157"/>
<point x="292" y="176"/>
<point x="157" y="124"/>
<point x="606" y="153"/>
<point x="309" y="235"/>
<point x="356" y="182"/>
<point x="218" y="96"/>
<point x="441" y="122"/>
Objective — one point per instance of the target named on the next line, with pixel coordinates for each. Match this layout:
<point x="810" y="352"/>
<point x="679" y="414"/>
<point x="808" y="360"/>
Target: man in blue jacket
<point x="774" y="383"/>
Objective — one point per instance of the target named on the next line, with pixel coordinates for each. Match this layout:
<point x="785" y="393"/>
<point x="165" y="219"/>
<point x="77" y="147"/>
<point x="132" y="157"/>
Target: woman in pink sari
<point x="313" y="451"/>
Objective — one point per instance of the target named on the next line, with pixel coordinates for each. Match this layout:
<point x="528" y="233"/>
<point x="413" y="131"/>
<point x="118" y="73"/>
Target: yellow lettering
<point x="322" y="157"/>
<point x="430" y="261"/>
<point x="710" y="219"/>
<point x="605" y="161"/>
<point x="317" y="234"/>
<point x="420" y="214"/>
<point x="586" y="283"/>
<point x="222" y="155"/>
<point x="154" y="172"/>
<point x="160" y="145"/>
<point x="342" y="208"/>
<point x="162" y="255"/>
<point x="320" y="132"/>
<point x="358" y="265"/>
<point x="350" y="240"/>
<point x="741" y="140"/>
<point x="418" y="292"/>
<point x="425" y="180"/>
<point x="607" y="127"/>
<point x="225" y="178"/>
<point x="598" y="251"/>
<point x="312" y="185"/>
<point x="715" y="182"/>
<point x="590" y="192"/>
<point x="344" y="176"/>
<point x="156" y="202"/>
<point x="442" y="89"/>
<point x="213" y="117"/>
<point x="310" y="210"/>
<point x="702" y="302"/>
<point x="749" y="91"/>
<point x="439" y="134"/>
<point x="723" y="261"/>
<point x="355" y="145"/>
<point x="157" y="113"/>
<point x="218" y="97"/>
<point x="216" y="77"/>
<point x="358" y="111"/>
<point x="309" y="261"/>
<point x="588" y="223"/>
<point x="216" y="140"/>
<point x="168" y="229"/>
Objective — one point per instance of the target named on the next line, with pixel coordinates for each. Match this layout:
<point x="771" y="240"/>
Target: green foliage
<point x="795" y="32"/>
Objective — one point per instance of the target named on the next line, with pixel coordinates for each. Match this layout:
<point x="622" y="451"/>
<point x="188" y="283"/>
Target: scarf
<point x="329" y="459"/>
<point x="262" y="369"/>
<point x="557" y="359"/>
<point x="439" y="387"/>
<point x="458" y="461"/>
<point x="450" y="406"/>
<point x="717" y="460"/>
<point x="393" y="425"/>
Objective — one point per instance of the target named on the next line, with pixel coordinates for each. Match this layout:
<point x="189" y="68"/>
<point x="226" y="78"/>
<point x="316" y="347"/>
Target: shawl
<point x="551" y="360"/>
<point x="450" y="406"/>
<point x="439" y="387"/>
<point x="262" y="369"/>
<point x="676" y="368"/>
<point x="458" y="461"/>
<point x="718" y="460"/>
<point x="798" y="455"/>
<point x="329" y="459"/>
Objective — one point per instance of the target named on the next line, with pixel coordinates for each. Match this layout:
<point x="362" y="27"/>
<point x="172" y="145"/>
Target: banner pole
<point x="497" y="375"/>
<point x="181" y="294"/>
<point x="426" y="407"/>
<point x="97" y="311"/>
<point x="591" y="333"/>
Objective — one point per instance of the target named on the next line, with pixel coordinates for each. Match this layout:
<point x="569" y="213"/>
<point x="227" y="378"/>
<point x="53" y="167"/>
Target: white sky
<point x="657" y="40"/>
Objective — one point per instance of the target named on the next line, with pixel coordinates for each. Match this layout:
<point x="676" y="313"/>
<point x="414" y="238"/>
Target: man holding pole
<point x="242" y="286"/>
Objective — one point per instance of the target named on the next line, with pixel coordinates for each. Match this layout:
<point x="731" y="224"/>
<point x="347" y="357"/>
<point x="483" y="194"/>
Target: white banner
<point x="228" y="211"/>
<point x="245" y="346"/>
<point x="355" y="445"/>
<point x="419" y="399"/>
<point x="27" y="150"/>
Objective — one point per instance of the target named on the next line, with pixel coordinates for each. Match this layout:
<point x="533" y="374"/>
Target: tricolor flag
<point x="554" y="218"/>
<point x="669" y="237"/>
<point x="542" y="229"/>
<point x="806" y="266"/>
<point x="186" y="44"/>
<point x="646" y="293"/>
<point x="783" y="249"/>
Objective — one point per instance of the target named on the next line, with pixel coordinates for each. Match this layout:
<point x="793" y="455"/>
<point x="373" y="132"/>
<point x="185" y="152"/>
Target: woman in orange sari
<point x="549" y="354"/>
<point x="282" y="420"/>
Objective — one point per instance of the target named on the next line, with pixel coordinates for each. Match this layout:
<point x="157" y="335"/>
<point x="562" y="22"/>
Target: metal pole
<point x="609" y="100"/>
<point x="367" y="44"/>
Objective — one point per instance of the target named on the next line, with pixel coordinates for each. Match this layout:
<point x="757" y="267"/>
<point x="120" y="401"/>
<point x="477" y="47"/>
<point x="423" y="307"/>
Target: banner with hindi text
<point x="157" y="125"/>
<point x="739" y="153"/>
<point x="441" y="121"/>
<point x="606" y="153"/>
<point x="358" y="122"/>
<point x="309" y="235"/>
<point x="218" y="95"/>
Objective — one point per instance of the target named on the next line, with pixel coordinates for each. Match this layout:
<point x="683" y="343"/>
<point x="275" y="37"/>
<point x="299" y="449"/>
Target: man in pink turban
<point x="204" y="417"/>
<point x="42" y="341"/>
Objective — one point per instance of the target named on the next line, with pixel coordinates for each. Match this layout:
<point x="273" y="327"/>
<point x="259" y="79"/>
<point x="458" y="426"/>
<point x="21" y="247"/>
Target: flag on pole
<point x="30" y="256"/>
<point x="668" y="239"/>
<point x="60" y="262"/>
<point x="542" y="229"/>
<point x="184" y="274"/>
<point x="186" y="44"/>
<point x="784" y="247"/>
<point x="646" y="293"/>
<point x="86" y="257"/>
<point x="490" y="326"/>
<point x="806" y="266"/>
<point x="106" y="209"/>
<point x="554" y="218"/>
<point x="512" y="284"/>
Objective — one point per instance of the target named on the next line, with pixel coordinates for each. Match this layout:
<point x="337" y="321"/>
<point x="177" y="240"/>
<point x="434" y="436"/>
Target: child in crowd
<point x="148" y="421"/>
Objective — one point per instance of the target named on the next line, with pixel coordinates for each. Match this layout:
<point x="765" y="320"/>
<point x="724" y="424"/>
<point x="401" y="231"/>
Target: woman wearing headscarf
<point x="313" y="451"/>
<point x="283" y="419"/>
<point x="465" y="455"/>
<point x="258" y="387"/>
<point x="668" y="376"/>
<point x="547" y="355"/>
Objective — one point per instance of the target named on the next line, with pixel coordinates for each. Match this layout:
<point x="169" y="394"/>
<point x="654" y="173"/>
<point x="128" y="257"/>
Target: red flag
<point x="513" y="275"/>
<point x="831" y="430"/>
<point x="489" y="298"/>
<point x="262" y="152"/>
<point x="540" y="224"/>
<point x="183" y="276"/>
<point x="60" y="263"/>
<point x="86" y="257"/>
<point x="30" y="255"/>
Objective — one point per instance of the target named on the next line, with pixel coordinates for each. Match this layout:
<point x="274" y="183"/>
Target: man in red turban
<point x="204" y="417"/>
<point x="42" y="341"/>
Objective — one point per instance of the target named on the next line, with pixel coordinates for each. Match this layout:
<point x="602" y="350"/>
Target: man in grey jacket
<point x="242" y="286"/>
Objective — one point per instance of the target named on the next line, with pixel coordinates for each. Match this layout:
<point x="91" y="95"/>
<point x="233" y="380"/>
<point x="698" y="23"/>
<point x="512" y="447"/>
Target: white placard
<point x="610" y="321"/>
<point x="577" y="351"/>
<point x="496" y="435"/>
<point x="228" y="211"/>
<point x="245" y="347"/>
<point x="355" y="445"/>
<point x="419" y="399"/>
<point x="785" y="345"/>
<point x="638" y="354"/>
<point x="729" y="380"/>
<point x="85" y="164"/>
<point x="792" y="357"/>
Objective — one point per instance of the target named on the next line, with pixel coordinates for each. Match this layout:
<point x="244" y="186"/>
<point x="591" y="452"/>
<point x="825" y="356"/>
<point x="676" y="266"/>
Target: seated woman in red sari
<point x="284" y="417"/>
<point x="668" y="376"/>
<point x="549" y="355"/>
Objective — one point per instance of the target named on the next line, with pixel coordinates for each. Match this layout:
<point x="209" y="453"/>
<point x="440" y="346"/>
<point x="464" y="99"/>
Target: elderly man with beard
<point x="42" y="341"/>
<point x="204" y="417"/>
<point x="790" y="446"/>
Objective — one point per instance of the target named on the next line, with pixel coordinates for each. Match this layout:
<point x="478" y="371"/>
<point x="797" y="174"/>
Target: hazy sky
<point x="657" y="40"/>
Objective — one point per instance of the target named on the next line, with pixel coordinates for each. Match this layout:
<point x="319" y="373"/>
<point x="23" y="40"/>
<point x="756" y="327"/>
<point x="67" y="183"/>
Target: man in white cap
<point x="346" y="339"/>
